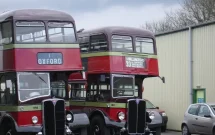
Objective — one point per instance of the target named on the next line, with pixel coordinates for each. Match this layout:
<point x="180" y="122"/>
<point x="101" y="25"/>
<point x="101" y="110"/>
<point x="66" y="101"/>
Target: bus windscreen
<point x="123" y="86"/>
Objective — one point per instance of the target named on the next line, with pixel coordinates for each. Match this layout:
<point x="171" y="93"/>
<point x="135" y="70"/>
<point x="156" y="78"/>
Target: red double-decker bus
<point x="116" y="61"/>
<point x="38" y="53"/>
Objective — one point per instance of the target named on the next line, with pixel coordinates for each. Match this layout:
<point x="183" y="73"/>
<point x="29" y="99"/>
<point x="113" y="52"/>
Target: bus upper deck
<point x="39" y="38"/>
<point x="119" y="50"/>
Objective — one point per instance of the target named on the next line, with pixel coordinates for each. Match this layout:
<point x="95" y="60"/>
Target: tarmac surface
<point x="171" y="133"/>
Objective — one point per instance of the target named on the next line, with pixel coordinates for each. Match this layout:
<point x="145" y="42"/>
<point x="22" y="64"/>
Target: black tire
<point x="98" y="127"/>
<point x="163" y="128"/>
<point x="83" y="131"/>
<point x="185" y="130"/>
<point x="213" y="131"/>
<point x="157" y="131"/>
<point x="10" y="131"/>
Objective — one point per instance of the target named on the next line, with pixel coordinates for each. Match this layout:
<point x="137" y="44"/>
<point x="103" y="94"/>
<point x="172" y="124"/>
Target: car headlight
<point x="151" y="115"/>
<point x="34" y="119"/>
<point x="121" y="116"/>
<point x="69" y="117"/>
<point x="163" y="114"/>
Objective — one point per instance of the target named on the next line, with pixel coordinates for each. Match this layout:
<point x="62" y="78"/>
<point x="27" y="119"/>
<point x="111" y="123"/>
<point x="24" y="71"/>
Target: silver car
<point x="199" y="118"/>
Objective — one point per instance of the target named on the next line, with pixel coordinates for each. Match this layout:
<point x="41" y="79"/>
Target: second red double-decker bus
<point x="38" y="53"/>
<point x="116" y="61"/>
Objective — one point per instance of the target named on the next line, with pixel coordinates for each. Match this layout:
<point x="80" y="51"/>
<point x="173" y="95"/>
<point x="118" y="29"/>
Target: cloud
<point x="122" y="15"/>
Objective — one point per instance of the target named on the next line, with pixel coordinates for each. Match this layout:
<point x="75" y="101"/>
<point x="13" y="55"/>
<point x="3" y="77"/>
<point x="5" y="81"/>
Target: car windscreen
<point x="149" y="105"/>
<point x="213" y="108"/>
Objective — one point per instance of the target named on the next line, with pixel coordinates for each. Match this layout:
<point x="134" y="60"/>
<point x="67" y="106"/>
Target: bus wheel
<point x="98" y="127"/>
<point x="10" y="132"/>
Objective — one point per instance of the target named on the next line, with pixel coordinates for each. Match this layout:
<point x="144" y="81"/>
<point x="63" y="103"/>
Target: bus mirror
<point x="79" y="31"/>
<point x="163" y="79"/>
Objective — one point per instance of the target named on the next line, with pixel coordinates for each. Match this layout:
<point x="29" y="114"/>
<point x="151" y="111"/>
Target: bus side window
<point x="58" y="89"/>
<point x="91" y="92"/>
<point x="105" y="92"/>
<point x="0" y="35"/>
<point x="78" y="91"/>
<point x="8" y="93"/>
<point x="7" y="33"/>
<point x="2" y="91"/>
<point x="84" y="44"/>
<point x="136" y="90"/>
<point x="98" y="43"/>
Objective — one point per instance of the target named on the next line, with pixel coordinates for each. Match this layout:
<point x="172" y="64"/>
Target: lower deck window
<point x="77" y="91"/>
<point x="58" y="89"/>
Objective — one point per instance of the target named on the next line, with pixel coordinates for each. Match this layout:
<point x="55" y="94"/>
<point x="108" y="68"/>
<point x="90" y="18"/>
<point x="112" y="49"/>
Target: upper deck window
<point x="98" y="43"/>
<point x="30" y="31"/>
<point x="6" y="33"/>
<point x="144" y="45"/>
<point x="61" y="32"/>
<point x="84" y="44"/>
<point x="122" y="43"/>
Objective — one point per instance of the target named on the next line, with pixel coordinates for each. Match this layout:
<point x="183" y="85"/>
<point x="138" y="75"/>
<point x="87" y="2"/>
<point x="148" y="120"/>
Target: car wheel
<point x="157" y="131"/>
<point x="163" y="128"/>
<point x="83" y="131"/>
<point x="185" y="130"/>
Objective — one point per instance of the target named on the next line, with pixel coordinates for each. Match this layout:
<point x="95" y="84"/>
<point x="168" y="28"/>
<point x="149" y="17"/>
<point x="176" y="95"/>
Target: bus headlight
<point x="34" y="119"/>
<point x="121" y="116"/>
<point x="69" y="117"/>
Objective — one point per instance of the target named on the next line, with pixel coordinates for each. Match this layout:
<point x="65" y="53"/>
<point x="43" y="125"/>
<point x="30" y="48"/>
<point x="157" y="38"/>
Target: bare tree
<point x="191" y="12"/>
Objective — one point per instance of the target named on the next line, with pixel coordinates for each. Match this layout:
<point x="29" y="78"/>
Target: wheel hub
<point x="96" y="130"/>
<point x="8" y="132"/>
<point x="184" y="131"/>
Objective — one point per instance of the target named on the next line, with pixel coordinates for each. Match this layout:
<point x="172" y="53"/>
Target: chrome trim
<point x="39" y="133"/>
<point x="136" y="116"/>
<point x="43" y="113"/>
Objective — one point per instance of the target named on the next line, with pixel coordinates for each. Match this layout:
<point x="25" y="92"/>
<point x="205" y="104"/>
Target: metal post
<point x="190" y="52"/>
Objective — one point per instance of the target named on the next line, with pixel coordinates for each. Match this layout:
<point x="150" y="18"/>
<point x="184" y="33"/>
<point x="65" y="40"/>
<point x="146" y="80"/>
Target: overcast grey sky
<point x="96" y="13"/>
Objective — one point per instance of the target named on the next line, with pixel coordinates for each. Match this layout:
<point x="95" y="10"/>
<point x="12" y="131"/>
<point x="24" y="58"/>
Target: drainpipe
<point x="190" y="51"/>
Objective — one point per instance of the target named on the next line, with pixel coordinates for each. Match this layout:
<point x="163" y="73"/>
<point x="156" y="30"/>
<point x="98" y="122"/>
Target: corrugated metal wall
<point x="204" y="60"/>
<point x="173" y="96"/>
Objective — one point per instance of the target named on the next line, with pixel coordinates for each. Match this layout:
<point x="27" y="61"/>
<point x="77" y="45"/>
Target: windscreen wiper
<point x="40" y="78"/>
